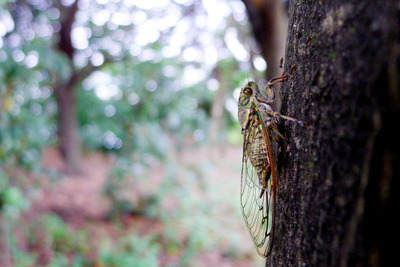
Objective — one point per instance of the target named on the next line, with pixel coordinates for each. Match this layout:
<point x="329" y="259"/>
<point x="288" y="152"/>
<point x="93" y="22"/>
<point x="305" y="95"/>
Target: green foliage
<point x="61" y="238"/>
<point x="131" y="250"/>
<point x="53" y="235"/>
<point x="47" y="234"/>
<point x="25" y="127"/>
<point x="21" y="258"/>
<point x="12" y="201"/>
<point x="184" y="189"/>
<point x="25" y="116"/>
<point x="56" y="64"/>
<point x="147" y="106"/>
<point x="191" y="237"/>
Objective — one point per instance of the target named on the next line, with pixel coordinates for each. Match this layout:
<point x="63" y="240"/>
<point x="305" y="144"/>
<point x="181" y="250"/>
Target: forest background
<point x="119" y="143"/>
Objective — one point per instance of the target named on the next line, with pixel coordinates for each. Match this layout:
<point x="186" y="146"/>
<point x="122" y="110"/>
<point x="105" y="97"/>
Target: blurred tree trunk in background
<point x="68" y="135"/>
<point x="338" y="175"/>
<point x="217" y="132"/>
<point x="70" y="143"/>
<point x="269" y="23"/>
<point x="218" y="109"/>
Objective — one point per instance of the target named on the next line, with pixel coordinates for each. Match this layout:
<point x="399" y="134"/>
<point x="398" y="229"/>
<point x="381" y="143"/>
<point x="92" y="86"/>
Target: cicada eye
<point x="247" y="91"/>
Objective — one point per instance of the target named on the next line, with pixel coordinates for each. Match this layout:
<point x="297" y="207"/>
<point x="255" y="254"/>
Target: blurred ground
<point x="76" y="198"/>
<point x="80" y="202"/>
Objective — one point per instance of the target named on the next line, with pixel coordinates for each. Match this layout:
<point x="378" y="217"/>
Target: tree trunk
<point x="217" y="113"/>
<point x="68" y="135"/>
<point x="217" y="130"/>
<point x="338" y="175"/>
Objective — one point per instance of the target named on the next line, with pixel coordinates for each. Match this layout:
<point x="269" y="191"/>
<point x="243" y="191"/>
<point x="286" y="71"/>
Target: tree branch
<point x="65" y="42"/>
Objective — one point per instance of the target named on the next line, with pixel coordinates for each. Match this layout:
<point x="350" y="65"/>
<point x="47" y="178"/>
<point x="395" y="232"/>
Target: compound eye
<point x="247" y="91"/>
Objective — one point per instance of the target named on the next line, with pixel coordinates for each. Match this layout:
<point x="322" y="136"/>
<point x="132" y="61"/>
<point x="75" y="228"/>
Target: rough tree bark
<point x="339" y="174"/>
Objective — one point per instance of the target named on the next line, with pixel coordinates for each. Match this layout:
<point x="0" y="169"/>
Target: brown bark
<point x="69" y="139"/>
<point x="338" y="176"/>
<point x="68" y="135"/>
<point x="65" y="42"/>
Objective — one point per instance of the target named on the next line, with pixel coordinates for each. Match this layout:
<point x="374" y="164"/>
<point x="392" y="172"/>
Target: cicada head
<point x="247" y="102"/>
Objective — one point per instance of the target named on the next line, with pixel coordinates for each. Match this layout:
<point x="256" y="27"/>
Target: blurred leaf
<point x="132" y="251"/>
<point x="12" y="202"/>
<point x="54" y="61"/>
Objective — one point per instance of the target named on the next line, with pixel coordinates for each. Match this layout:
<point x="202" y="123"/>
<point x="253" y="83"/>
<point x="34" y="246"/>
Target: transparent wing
<point x="257" y="202"/>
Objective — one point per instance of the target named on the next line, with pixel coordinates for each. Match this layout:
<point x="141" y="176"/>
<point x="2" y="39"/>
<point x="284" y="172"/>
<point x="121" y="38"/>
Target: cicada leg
<point x="278" y="79"/>
<point x="278" y="115"/>
<point x="270" y="93"/>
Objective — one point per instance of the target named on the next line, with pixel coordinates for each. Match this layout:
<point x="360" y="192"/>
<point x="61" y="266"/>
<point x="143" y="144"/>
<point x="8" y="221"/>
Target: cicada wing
<point x="257" y="201"/>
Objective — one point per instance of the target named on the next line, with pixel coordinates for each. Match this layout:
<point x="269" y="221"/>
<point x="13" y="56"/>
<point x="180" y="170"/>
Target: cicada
<point x="258" y="176"/>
